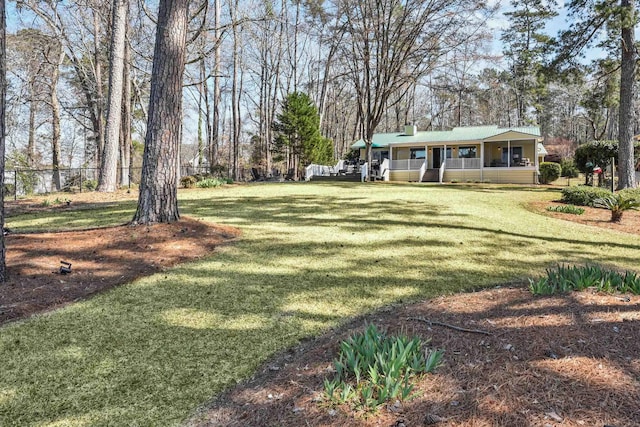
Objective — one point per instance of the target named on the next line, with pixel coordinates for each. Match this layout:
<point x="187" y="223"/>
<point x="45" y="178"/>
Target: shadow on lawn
<point x="149" y="352"/>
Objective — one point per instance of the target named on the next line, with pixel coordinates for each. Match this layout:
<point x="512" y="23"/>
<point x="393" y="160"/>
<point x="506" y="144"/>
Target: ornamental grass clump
<point x="617" y="204"/>
<point x="373" y="369"/>
<point x="563" y="279"/>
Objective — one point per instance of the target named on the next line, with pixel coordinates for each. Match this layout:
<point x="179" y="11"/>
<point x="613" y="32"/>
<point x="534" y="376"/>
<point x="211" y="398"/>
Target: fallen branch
<point x="446" y="325"/>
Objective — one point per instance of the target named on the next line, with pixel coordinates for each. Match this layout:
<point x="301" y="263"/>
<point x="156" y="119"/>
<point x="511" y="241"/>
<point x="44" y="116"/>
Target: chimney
<point x="410" y="130"/>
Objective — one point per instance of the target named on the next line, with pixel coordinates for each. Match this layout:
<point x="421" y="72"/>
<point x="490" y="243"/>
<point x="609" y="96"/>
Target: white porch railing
<point x="464" y="163"/>
<point x="405" y="165"/>
<point x="323" y="170"/>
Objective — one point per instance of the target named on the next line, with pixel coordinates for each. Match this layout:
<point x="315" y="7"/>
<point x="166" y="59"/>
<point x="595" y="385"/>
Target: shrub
<point x="569" y="168"/>
<point x="630" y="193"/>
<point x="617" y="204"/>
<point x="372" y="369"/>
<point x="90" y="184"/>
<point x="563" y="279"/>
<point x="9" y="189"/>
<point x="188" y="181"/>
<point x="549" y="172"/>
<point x="210" y="183"/>
<point x="570" y="209"/>
<point x="583" y="195"/>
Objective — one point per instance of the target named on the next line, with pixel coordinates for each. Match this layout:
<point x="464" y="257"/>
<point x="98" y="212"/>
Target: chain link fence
<point x="21" y="182"/>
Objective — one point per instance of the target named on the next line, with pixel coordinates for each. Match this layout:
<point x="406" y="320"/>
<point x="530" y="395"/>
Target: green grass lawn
<point x="310" y="257"/>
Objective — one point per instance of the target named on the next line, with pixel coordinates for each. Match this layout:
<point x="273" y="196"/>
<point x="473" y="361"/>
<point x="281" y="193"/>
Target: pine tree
<point x="609" y="25"/>
<point x="525" y="47"/>
<point x="158" y="198"/>
<point x="298" y="135"/>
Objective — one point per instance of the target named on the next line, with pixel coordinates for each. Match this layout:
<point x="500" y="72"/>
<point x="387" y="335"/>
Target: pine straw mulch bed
<point x="566" y="360"/>
<point x="100" y="259"/>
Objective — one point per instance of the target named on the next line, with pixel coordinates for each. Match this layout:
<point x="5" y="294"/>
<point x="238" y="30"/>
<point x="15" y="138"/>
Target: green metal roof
<point x="470" y="133"/>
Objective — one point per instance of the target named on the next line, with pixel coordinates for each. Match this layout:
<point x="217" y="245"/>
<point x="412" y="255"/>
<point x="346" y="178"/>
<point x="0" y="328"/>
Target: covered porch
<point x="496" y="161"/>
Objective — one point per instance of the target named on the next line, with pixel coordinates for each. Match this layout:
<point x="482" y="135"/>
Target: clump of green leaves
<point x="373" y="369"/>
<point x="617" y="204"/>
<point x="570" y="209"/>
<point x="563" y="279"/>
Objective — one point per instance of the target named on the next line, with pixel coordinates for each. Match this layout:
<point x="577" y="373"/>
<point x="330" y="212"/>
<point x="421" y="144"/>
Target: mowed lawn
<point x="310" y="256"/>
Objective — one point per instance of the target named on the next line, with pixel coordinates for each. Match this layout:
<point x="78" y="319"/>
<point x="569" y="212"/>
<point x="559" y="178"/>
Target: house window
<point x="417" y="153"/>
<point x="467" y="152"/>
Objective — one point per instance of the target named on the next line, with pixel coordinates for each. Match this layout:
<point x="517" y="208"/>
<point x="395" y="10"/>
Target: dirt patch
<point x="568" y="360"/>
<point x="100" y="259"/>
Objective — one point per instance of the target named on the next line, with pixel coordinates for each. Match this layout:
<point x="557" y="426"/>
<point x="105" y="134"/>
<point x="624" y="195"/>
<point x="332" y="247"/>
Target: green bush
<point x="569" y="168"/>
<point x="90" y="184"/>
<point x="583" y="195"/>
<point x="373" y="369"/>
<point x="630" y="193"/>
<point x="9" y="189"/>
<point x="188" y="181"/>
<point x="211" y="183"/>
<point x="549" y="172"/>
<point x="570" y="209"/>
<point x="563" y="279"/>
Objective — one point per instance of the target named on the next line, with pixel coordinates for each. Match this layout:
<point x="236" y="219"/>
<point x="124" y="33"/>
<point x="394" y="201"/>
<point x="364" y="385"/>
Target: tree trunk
<point x="215" y="120"/>
<point x="158" y="198"/>
<point x="55" y="111"/>
<point x="3" y="88"/>
<point x="125" y="126"/>
<point x="98" y="104"/>
<point x="235" y="93"/>
<point x="31" y="144"/>
<point x="107" y="181"/>
<point x="626" y="165"/>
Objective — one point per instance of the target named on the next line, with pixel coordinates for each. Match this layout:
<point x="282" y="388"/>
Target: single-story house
<point x="477" y="153"/>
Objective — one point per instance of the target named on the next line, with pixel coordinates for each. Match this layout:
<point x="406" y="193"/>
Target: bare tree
<point x="107" y="181"/>
<point x="391" y="43"/>
<point x="158" y="198"/>
<point x="3" y="93"/>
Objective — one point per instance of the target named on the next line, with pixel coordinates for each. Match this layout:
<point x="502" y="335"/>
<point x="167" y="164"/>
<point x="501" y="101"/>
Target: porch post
<point x="482" y="161"/>
<point x="390" y="156"/>
<point x="536" y="162"/>
<point x="444" y="156"/>
<point x="508" y="153"/>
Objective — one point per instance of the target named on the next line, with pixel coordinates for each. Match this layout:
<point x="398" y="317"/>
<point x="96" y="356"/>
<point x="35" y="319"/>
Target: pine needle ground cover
<point x="311" y="256"/>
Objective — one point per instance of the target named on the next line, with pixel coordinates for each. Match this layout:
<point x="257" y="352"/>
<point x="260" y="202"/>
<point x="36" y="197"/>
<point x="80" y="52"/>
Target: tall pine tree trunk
<point x="125" y="126"/>
<point x="55" y="111"/>
<point x="3" y="88"/>
<point x="158" y="198"/>
<point x="626" y="165"/>
<point x="98" y="103"/>
<point x="107" y="181"/>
